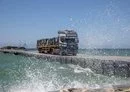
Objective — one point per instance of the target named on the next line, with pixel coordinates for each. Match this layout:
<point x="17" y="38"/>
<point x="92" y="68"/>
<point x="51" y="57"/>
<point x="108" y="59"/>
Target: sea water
<point x="28" y="74"/>
<point x="105" y="52"/>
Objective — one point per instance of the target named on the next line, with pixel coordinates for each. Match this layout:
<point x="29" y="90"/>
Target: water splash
<point x="25" y="74"/>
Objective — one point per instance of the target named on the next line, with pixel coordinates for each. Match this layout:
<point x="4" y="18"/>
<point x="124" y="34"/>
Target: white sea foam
<point x="35" y="75"/>
<point x="78" y="69"/>
<point x="62" y="67"/>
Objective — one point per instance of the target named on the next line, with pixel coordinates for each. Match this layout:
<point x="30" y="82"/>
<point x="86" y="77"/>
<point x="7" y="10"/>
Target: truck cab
<point x="68" y="42"/>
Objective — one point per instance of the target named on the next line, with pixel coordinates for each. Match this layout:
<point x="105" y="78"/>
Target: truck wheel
<point x="74" y="54"/>
<point x="61" y="53"/>
<point x="52" y="51"/>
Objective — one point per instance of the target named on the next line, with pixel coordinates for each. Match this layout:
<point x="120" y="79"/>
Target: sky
<point x="99" y="23"/>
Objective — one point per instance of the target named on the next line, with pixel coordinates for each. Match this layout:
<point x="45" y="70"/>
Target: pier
<point x="106" y="65"/>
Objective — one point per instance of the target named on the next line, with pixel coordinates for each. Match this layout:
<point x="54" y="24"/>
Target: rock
<point x="87" y="90"/>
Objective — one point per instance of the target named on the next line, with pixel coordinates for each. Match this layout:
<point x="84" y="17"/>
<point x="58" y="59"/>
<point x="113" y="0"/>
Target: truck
<point x="66" y="43"/>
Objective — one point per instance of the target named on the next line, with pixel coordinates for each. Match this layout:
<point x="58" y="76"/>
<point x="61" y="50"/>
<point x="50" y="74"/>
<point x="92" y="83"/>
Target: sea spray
<point x="28" y="74"/>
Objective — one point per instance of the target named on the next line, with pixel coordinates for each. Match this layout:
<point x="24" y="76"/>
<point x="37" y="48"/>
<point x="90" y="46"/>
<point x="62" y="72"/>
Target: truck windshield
<point x="70" y="40"/>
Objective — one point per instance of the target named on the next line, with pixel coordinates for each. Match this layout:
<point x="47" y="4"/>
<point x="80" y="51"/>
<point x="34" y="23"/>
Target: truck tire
<point x="62" y="53"/>
<point x="74" y="54"/>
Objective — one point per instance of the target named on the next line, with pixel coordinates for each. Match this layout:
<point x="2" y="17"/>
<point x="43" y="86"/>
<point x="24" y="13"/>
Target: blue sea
<point x="105" y="52"/>
<point x="28" y="74"/>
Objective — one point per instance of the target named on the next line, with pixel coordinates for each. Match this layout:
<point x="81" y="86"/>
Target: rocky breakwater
<point x="106" y="65"/>
<point x="114" y="88"/>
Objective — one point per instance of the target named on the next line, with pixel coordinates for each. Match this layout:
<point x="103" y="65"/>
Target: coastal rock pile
<point x="121" y="88"/>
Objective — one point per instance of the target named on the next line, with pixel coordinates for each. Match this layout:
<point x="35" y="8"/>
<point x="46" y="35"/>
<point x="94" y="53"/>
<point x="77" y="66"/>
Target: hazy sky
<point x="99" y="23"/>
